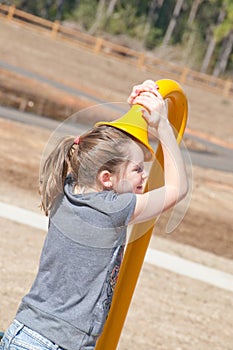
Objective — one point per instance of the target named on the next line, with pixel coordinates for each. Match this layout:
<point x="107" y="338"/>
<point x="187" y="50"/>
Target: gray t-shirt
<point x="71" y="295"/>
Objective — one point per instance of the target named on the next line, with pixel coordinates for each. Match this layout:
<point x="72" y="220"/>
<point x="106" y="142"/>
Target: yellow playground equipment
<point x="134" y="124"/>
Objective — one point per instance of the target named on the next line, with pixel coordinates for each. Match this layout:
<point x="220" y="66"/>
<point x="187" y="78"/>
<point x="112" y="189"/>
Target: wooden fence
<point x="98" y="45"/>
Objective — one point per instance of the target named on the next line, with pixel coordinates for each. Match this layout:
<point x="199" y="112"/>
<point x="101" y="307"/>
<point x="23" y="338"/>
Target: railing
<point x="100" y="46"/>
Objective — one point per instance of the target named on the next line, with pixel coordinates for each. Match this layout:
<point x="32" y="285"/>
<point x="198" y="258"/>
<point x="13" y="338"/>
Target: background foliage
<point x="199" y="32"/>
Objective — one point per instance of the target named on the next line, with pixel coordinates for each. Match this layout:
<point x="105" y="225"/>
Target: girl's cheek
<point x="124" y="186"/>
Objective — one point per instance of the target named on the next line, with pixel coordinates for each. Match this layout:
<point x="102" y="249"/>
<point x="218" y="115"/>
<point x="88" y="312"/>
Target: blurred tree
<point x="60" y="5"/>
<point x="45" y="9"/>
<point x="193" y="12"/>
<point x="151" y="17"/>
<point x="84" y="14"/>
<point x="49" y="9"/>
<point x="221" y="64"/>
<point x="190" y="35"/>
<point x="212" y="40"/>
<point x="173" y="21"/>
<point x="100" y="15"/>
<point x="224" y="37"/>
<point x="202" y="27"/>
<point x="111" y="7"/>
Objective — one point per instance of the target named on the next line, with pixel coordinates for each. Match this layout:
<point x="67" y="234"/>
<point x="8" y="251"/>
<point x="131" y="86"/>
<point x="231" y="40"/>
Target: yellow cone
<point x="134" y="124"/>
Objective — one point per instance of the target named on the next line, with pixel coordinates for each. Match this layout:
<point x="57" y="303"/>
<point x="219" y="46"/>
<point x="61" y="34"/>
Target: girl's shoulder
<point x="100" y="203"/>
<point x="106" y="198"/>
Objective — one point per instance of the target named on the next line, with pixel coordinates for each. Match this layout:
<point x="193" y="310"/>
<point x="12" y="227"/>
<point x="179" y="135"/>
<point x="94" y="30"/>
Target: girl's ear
<point x="105" y="179"/>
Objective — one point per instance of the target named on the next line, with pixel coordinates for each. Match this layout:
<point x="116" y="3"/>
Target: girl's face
<point x="132" y="178"/>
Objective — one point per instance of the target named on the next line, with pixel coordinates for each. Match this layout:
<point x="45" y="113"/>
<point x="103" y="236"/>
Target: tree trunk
<point x="187" y="56"/>
<point x="111" y="7"/>
<point x="48" y="4"/>
<point x="172" y="23"/>
<point x="60" y="4"/>
<point x="193" y="12"/>
<point x="99" y="16"/>
<point x="208" y="54"/>
<point x="222" y="63"/>
<point x="190" y="34"/>
<point x="150" y="17"/>
<point x="212" y="44"/>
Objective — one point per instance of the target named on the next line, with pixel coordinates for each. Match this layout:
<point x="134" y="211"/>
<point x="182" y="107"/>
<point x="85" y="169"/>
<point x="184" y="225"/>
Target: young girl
<point x="92" y="188"/>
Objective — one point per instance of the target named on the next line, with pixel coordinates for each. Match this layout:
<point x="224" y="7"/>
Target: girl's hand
<point x="146" y="86"/>
<point x="148" y="96"/>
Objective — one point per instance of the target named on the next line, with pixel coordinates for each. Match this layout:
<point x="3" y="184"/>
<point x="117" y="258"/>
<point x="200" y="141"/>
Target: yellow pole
<point x="141" y="233"/>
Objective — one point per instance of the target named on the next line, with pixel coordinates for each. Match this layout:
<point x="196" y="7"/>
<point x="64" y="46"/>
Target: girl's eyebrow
<point x="140" y="164"/>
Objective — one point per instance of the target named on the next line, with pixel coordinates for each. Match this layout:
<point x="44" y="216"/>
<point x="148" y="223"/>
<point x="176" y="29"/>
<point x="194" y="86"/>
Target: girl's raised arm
<point x="153" y="203"/>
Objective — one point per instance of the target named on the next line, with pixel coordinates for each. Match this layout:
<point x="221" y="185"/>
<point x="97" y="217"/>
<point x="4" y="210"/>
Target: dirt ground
<point x="168" y="311"/>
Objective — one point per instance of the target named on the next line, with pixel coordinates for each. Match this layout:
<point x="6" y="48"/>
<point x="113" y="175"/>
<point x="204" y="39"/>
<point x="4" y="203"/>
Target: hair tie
<point x="76" y="141"/>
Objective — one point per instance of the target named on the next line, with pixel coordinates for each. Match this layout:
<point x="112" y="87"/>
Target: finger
<point x="146" y="101"/>
<point x="143" y="92"/>
<point x="150" y="83"/>
<point x="152" y="104"/>
<point x="152" y="119"/>
<point x="145" y="115"/>
<point x="146" y="86"/>
<point x="135" y="92"/>
<point x="149" y="88"/>
<point x="147" y="96"/>
<point x="150" y="96"/>
<point x="148" y="93"/>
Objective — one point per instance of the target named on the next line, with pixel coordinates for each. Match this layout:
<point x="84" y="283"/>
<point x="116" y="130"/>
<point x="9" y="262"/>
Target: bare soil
<point x="168" y="311"/>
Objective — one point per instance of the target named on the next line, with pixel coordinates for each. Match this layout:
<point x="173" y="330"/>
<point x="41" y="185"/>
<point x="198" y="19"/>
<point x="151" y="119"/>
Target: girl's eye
<point x="139" y="169"/>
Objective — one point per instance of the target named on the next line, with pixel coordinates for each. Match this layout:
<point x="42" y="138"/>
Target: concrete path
<point x="154" y="257"/>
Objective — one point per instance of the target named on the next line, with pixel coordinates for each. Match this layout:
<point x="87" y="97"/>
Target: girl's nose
<point x="144" y="174"/>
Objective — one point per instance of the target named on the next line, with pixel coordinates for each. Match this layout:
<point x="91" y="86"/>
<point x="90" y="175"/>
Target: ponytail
<point x="54" y="172"/>
<point x="103" y="147"/>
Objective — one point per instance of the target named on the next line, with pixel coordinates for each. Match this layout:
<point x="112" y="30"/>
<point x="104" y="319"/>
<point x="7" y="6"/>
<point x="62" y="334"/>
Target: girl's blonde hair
<point x="102" y="148"/>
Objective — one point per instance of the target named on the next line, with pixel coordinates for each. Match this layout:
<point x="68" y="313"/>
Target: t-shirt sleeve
<point x="122" y="208"/>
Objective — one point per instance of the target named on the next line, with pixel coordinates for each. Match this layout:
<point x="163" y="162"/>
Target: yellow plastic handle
<point x="141" y="233"/>
<point x="177" y="104"/>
